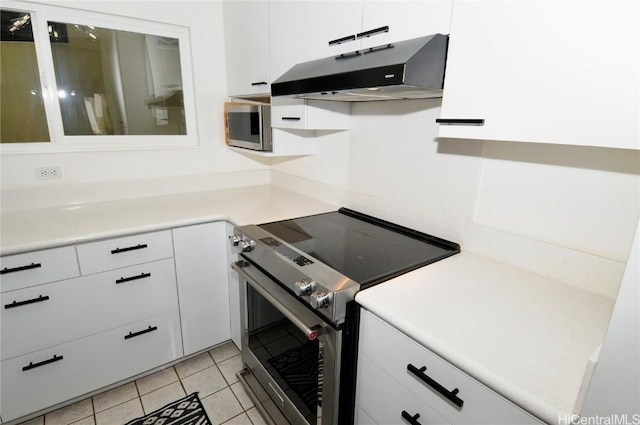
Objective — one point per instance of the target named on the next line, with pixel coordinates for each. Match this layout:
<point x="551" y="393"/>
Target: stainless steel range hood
<point x="411" y="69"/>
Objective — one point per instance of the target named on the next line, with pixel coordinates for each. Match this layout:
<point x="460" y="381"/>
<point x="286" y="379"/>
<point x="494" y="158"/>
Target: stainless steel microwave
<point x="248" y="125"/>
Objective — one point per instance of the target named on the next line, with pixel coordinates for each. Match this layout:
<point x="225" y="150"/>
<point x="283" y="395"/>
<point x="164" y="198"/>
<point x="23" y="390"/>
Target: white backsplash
<point x="567" y="213"/>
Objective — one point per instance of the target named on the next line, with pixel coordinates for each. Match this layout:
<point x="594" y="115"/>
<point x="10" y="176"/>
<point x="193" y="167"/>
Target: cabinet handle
<point x="129" y="248"/>
<point x="129" y="279"/>
<point x="144" y="331"/>
<point x="460" y="121"/>
<point x="374" y="31"/>
<point x="33" y="365"/>
<point x="25" y="302"/>
<point x="413" y="420"/>
<point x="21" y="268"/>
<point x="342" y="40"/>
<point x="290" y="118"/>
<point x="449" y="395"/>
<point x="259" y="83"/>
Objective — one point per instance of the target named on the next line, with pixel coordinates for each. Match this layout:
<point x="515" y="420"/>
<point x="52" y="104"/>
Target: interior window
<point x="113" y="82"/>
<point x="87" y="80"/>
<point x="22" y="112"/>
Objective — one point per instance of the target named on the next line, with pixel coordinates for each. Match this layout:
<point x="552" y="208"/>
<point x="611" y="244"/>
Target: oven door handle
<point x="238" y="266"/>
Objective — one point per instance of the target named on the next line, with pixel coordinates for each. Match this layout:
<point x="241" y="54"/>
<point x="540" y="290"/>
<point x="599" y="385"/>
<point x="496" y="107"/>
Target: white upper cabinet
<point x="331" y="27"/>
<point x="336" y="27"/>
<point x="246" y="31"/>
<point x="404" y="20"/>
<point x="286" y="43"/>
<point x="561" y="72"/>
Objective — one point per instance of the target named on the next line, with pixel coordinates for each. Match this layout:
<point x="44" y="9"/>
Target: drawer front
<point x="70" y="370"/>
<point x="393" y="351"/>
<point x="116" y="253"/>
<point x="47" y="315"/>
<point x="291" y="114"/>
<point x="38" y="267"/>
<point x="384" y="400"/>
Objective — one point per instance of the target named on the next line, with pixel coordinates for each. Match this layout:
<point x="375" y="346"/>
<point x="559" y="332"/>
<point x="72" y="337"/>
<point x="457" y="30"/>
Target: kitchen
<point x="566" y="213"/>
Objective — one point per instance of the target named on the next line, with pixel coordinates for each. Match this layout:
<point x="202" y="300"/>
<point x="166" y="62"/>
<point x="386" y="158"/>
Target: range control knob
<point x="320" y="299"/>
<point x="304" y="287"/>
<point x="246" y="245"/>
<point x="235" y="239"/>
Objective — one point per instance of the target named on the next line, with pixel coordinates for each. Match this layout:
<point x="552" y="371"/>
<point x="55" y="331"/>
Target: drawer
<point x="47" y="315"/>
<point x="37" y="267"/>
<point x="393" y="351"/>
<point x="383" y="399"/>
<point x="310" y="115"/>
<point x="70" y="370"/>
<point x="115" y="253"/>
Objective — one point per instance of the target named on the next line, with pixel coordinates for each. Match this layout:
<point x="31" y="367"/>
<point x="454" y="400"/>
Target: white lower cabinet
<point x="387" y="406"/>
<point x="75" y="308"/>
<point x="202" y="270"/>
<point x="47" y="377"/>
<point x="394" y="371"/>
<point x="79" y="318"/>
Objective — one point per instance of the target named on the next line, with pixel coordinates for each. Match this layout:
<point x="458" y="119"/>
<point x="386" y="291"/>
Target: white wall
<point x="155" y="171"/>
<point x="566" y="212"/>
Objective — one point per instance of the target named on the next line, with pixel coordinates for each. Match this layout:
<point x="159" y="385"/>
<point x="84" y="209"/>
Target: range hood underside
<point x="399" y="92"/>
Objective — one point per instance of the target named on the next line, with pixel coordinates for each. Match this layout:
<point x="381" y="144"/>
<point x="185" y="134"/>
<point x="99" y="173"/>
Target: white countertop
<point x="527" y="337"/>
<point x="45" y="228"/>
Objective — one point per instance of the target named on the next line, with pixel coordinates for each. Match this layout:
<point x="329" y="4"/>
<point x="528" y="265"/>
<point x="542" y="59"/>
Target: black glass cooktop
<point x="366" y="249"/>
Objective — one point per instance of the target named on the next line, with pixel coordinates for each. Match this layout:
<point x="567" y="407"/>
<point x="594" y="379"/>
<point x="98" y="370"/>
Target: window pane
<point x="22" y="114"/>
<point x="114" y="82"/>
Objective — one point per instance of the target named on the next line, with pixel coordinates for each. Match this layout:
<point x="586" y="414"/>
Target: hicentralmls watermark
<point x="599" y="420"/>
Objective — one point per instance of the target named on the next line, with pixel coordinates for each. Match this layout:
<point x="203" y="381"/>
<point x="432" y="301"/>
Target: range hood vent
<point x="411" y="69"/>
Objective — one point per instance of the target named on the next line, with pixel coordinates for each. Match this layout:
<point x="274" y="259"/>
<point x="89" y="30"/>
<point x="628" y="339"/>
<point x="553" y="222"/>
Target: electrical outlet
<point x="49" y="173"/>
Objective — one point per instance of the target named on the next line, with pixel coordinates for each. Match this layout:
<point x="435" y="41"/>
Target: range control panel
<point x="286" y="252"/>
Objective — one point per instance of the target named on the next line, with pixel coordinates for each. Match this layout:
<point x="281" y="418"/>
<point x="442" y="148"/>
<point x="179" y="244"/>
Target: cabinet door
<point x="551" y="72"/>
<point x="404" y="19"/>
<point x="328" y="21"/>
<point x="286" y="44"/>
<point x="201" y="270"/>
<point x="246" y="29"/>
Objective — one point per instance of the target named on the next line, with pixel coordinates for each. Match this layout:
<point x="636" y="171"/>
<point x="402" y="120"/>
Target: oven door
<point x="290" y="354"/>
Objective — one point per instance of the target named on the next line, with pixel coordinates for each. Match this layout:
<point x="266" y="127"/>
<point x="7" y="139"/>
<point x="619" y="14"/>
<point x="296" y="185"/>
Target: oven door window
<point x="291" y="359"/>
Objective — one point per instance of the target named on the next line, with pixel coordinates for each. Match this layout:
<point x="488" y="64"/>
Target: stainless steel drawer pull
<point x="413" y="420"/>
<point x="21" y="268"/>
<point x="142" y="332"/>
<point x="451" y="396"/>
<point x="129" y="279"/>
<point x="129" y="248"/>
<point x="26" y="302"/>
<point x="460" y="121"/>
<point x="33" y="365"/>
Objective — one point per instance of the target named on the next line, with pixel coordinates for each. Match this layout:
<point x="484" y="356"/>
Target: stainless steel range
<point x="298" y="280"/>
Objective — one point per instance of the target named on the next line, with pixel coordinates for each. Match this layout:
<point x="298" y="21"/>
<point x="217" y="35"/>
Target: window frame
<point x="59" y="142"/>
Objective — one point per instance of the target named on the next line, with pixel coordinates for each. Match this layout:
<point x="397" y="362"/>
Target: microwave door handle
<point x="238" y="267"/>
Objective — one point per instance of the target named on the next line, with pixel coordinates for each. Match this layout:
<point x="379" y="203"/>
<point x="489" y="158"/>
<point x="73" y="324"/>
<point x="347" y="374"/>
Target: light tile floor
<point x="212" y="374"/>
